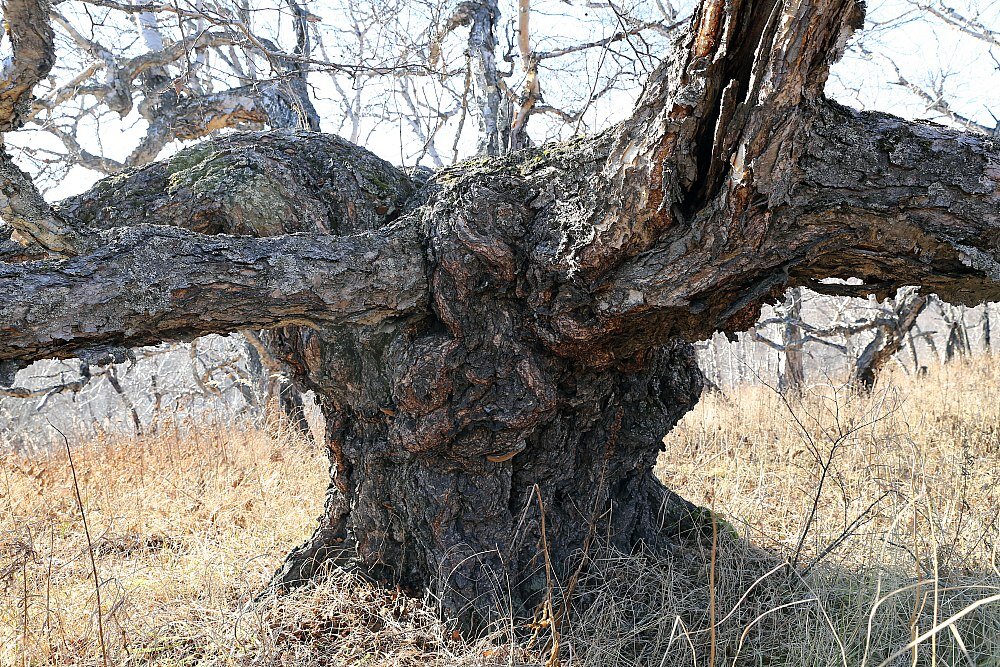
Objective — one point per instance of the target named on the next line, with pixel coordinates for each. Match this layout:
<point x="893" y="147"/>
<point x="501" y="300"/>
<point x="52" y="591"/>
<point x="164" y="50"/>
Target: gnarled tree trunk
<point x="500" y="349"/>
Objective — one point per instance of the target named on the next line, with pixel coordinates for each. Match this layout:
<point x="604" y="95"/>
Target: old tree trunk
<point x="500" y="347"/>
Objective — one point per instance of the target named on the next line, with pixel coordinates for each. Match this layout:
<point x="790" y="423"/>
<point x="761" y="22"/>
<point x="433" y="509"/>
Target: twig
<point x="90" y="546"/>
<point x="553" y="660"/>
<point x="847" y="532"/>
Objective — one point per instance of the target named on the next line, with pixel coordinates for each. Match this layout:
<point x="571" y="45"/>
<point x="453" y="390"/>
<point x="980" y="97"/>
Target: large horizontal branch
<point x="900" y="203"/>
<point x="151" y="284"/>
<point x="870" y="196"/>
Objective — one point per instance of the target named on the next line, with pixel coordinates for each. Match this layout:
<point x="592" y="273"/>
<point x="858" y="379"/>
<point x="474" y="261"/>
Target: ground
<point x="896" y="493"/>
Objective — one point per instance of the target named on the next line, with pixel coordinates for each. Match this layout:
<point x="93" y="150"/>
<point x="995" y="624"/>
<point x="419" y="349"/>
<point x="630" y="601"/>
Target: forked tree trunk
<point x="890" y="335"/>
<point x="499" y="350"/>
<point x="452" y="433"/>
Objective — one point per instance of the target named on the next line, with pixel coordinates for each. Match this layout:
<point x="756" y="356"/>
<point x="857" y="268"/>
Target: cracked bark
<point x="510" y="335"/>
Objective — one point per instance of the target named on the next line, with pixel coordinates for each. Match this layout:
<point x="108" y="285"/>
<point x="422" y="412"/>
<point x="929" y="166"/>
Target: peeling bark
<point x="482" y="17"/>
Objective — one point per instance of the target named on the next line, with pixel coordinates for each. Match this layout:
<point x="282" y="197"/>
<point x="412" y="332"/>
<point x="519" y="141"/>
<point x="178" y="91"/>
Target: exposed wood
<point x="31" y="217"/>
<point x="532" y="87"/>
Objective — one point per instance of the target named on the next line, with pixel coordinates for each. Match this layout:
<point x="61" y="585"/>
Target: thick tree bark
<point x="149" y="284"/>
<point x="504" y="343"/>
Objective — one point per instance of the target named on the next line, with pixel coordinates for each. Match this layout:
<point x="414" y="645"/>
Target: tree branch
<point x="21" y="205"/>
<point x="34" y="55"/>
<point x="252" y="183"/>
<point x="897" y="202"/>
<point x="889" y="338"/>
<point x="150" y="284"/>
<point x="23" y="208"/>
<point x="892" y="202"/>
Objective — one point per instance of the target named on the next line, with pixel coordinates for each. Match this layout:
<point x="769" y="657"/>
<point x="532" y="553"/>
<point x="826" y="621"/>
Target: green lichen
<point x="263" y="202"/>
<point x="254" y="198"/>
<point x="206" y="171"/>
<point x="372" y="176"/>
<point x="190" y="157"/>
<point x="705" y="517"/>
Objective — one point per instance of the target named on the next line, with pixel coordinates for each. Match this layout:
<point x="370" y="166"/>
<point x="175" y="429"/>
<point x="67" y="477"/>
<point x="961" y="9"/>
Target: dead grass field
<point x="886" y="506"/>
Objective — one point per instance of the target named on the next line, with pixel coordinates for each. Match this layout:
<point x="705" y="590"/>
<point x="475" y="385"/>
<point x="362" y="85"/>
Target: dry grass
<point x="186" y="529"/>
<point x="886" y="503"/>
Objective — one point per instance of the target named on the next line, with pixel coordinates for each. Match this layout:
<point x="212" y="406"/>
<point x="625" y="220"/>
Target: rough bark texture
<point x="505" y="342"/>
<point x="126" y="294"/>
<point x="33" y="42"/>
<point x="450" y="436"/>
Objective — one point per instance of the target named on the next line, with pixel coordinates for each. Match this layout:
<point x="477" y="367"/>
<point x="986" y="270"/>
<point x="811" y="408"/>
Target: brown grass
<point x="187" y="528"/>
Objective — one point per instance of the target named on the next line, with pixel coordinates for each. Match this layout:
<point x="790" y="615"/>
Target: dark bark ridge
<point x="504" y="343"/>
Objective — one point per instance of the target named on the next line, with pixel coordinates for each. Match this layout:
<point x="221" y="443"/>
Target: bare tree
<point x="499" y="350"/>
<point x="888" y="326"/>
<point x="792" y="371"/>
<point x="160" y="74"/>
<point x="956" y="343"/>
<point x="892" y="330"/>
